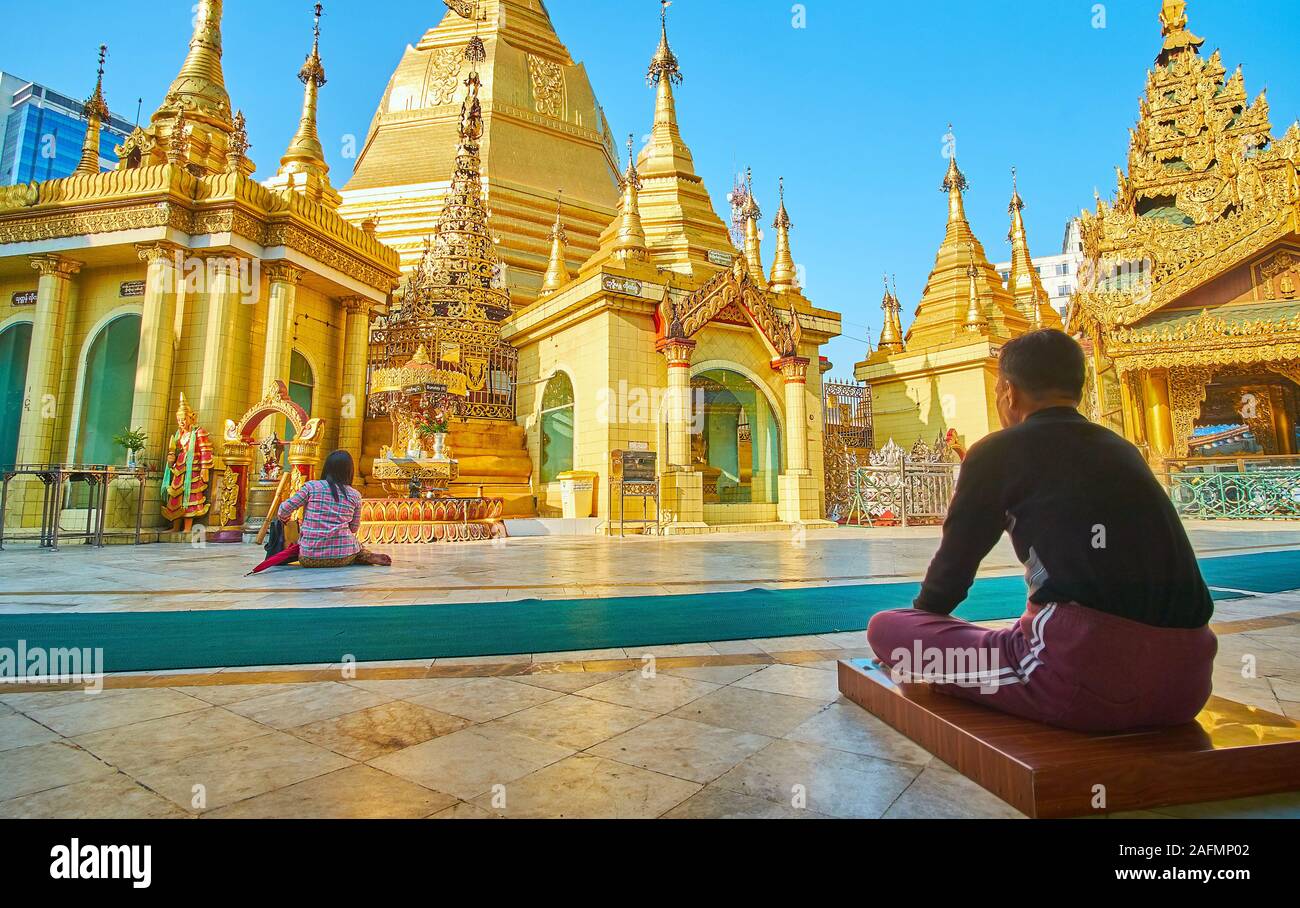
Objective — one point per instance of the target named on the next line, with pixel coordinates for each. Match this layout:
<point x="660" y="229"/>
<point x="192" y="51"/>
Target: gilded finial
<point x="95" y="112"/>
<point x="631" y="240"/>
<point x="305" y="154"/>
<point x="1017" y="203"/>
<point x="313" y="70"/>
<point x="784" y="275"/>
<point x="557" y="269"/>
<point x="664" y="63"/>
<point x="239" y="143"/>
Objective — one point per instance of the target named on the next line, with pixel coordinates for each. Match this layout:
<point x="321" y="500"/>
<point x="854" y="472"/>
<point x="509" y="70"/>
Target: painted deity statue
<point x="271" y="449"/>
<point x="188" y="466"/>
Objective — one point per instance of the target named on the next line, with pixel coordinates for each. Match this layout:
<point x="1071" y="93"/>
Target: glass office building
<point x="41" y="132"/>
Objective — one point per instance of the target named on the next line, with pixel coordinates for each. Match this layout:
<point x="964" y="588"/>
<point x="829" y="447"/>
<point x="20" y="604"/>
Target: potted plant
<point x="435" y="427"/>
<point x="134" y="441"/>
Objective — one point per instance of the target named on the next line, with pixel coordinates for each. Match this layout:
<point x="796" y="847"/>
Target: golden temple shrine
<point x="1191" y="311"/>
<point x="940" y="377"/>
<point x="493" y="309"/>
<point x="177" y="275"/>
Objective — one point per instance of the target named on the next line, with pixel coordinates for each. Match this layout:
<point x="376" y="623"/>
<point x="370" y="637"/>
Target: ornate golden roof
<point x="1207" y="185"/>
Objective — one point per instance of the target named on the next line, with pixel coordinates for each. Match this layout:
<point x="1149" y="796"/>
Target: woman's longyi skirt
<point x="361" y="557"/>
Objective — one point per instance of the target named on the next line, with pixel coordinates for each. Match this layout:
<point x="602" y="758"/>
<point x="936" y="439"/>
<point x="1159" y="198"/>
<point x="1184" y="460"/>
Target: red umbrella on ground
<point x="286" y="556"/>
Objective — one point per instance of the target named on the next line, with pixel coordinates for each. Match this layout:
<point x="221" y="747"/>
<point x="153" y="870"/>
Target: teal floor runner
<point x="149" y="641"/>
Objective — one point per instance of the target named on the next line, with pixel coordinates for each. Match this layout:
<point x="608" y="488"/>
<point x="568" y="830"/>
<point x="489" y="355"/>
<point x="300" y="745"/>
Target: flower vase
<point x="440" y="447"/>
<point x="130" y="459"/>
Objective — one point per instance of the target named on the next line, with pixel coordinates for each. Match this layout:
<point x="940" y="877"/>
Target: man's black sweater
<point x="1086" y="516"/>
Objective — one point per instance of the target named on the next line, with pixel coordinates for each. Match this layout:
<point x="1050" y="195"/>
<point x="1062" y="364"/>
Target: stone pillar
<point x="681" y="489"/>
<point x="42" y="405"/>
<point x="226" y="292"/>
<point x="283" y="279"/>
<point x="1159" y="418"/>
<point x="1283" y="425"/>
<point x="798" y="499"/>
<point x="356" y="352"/>
<point x="794" y="371"/>
<point x="152" y="406"/>
<point x="678" y="352"/>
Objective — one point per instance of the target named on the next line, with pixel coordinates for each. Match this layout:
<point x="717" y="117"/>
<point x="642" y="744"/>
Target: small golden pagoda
<point x="1190" y="310"/>
<point x="543" y="129"/>
<point x="942" y="374"/>
<point x="670" y="342"/>
<point x="178" y="274"/>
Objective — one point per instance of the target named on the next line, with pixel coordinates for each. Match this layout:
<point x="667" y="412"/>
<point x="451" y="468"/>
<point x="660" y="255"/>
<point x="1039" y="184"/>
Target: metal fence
<point x="905" y="493"/>
<point x="1266" y="494"/>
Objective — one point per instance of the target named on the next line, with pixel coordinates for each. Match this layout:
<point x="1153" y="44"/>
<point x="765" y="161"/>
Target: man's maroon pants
<point x="1061" y="663"/>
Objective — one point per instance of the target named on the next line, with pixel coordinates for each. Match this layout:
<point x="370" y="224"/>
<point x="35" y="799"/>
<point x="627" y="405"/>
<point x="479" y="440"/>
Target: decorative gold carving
<point x="228" y="499"/>
<point x="1187" y="390"/>
<point x="547" y="79"/>
<point x="24" y="195"/>
<point x="281" y="272"/>
<point x="54" y="266"/>
<point x="737" y="288"/>
<point x="443" y="78"/>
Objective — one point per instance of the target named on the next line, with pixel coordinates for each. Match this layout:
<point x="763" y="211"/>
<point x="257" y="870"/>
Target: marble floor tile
<point x="170" y="738"/>
<point x="756" y="711"/>
<point x="677" y="747"/>
<point x="660" y="693"/>
<point x="565" y="682"/>
<point x="714" y="674"/>
<point x="485" y="699"/>
<point x="112" y="797"/>
<point x="463" y="810"/>
<point x="582" y="655"/>
<point x="826" y="781"/>
<point x="714" y="803"/>
<point x="310" y="703"/>
<point x="379" y="730"/>
<point x="225" y="694"/>
<point x="670" y="651"/>
<point x="789" y="644"/>
<point x="469" y="762"/>
<point x="356" y="792"/>
<point x="589" y="787"/>
<point x="95" y="713"/>
<point x="17" y="730"/>
<point x="942" y="792"/>
<point x="735" y="647"/>
<point x="27" y="770"/>
<point x="239" y="771"/>
<point x="796" y="681"/>
<point x="846" y="726"/>
<point x="407" y="688"/>
<point x="574" y="722"/>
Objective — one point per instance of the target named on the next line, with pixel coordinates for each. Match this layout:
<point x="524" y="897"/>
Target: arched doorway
<point x="735" y="439"/>
<point x="557" y="427"/>
<point x="15" y="345"/>
<point x="302" y="387"/>
<point x="108" y="391"/>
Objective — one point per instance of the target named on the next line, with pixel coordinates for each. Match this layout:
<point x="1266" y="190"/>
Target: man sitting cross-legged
<point x="1116" y="632"/>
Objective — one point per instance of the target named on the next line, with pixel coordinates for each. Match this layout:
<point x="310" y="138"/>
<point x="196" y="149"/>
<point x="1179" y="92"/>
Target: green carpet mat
<point x="155" y="641"/>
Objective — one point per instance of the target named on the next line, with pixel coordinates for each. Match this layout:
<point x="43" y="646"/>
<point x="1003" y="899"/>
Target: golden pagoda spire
<point x="199" y="90"/>
<point x="753" y="240"/>
<point x="1025" y="284"/>
<point x="557" y="270"/>
<point x="667" y="152"/>
<point x="891" y="335"/>
<point x="630" y="241"/>
<point x="1173" y="25"/>
<point x="96" y="112"/>
<point x="305" y="147"/>
<point x="303" y="168"/>
<point x="784" y="275"/>
<point x="954" y="183"/>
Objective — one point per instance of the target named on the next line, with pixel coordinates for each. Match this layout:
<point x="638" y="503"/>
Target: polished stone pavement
<point x="736" y="729"/>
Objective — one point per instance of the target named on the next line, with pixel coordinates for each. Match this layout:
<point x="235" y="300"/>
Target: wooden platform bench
<point x="1230" y="751"/>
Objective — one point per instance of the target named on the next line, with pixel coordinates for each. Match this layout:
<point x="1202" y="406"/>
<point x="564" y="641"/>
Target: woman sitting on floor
<point x="332" y="516"/>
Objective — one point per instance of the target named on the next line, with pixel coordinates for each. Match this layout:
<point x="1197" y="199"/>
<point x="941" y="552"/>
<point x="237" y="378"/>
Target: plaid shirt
<point x="327" y="525"/>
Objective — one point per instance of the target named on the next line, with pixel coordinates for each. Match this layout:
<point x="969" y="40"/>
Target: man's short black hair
<point x="1044" y="363"/>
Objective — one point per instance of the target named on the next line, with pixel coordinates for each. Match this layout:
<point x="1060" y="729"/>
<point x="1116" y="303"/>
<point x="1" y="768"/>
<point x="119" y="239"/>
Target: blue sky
<point x="851" y="109"/>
